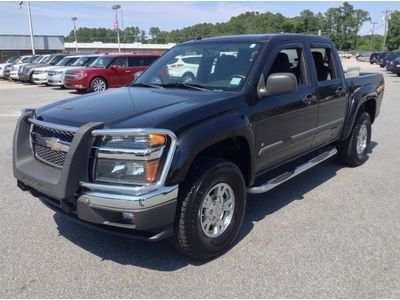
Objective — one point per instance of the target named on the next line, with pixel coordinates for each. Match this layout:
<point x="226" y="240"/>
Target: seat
<point x="281" y="64"/>
<point x="322" y="70"/>
<point x="225" y="66"/>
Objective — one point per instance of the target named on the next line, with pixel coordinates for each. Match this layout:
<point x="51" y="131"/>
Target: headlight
<point x="130" y="159"/>
<point x="81" y="75"/>
<point x="398" y="66"/>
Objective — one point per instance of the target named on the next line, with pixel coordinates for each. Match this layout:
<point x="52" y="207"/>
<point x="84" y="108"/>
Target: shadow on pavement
<point x="162" y="256"/>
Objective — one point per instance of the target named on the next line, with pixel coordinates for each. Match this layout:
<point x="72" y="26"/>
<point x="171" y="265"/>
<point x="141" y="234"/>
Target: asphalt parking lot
<point x="332" y="232"/>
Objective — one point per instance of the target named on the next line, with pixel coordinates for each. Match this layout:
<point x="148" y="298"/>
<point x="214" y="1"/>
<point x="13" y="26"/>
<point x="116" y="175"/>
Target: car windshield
<point x="102" y="62"/>
<point x="30" y="59"/>
<point x="38" y="59"/>
<point x="47" y="59"/>
<point x="12" y="59"/>
<point x="81" y="61"/>
<point x="213" y="66"/>
<point x="67" y="61"/>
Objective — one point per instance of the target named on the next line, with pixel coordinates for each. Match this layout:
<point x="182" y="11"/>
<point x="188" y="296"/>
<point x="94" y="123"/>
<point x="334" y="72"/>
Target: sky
<point x="54" y="18"/>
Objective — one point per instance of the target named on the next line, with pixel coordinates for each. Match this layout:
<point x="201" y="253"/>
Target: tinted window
<point x="192" y="60"/>
<point x="324" y="64"/>
<point x="121" y="62"/>
<point x="136" y="61"/>
<point x="149" y="60"/>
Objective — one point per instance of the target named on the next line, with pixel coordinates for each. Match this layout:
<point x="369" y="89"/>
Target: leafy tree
<point x="393" y="35"/>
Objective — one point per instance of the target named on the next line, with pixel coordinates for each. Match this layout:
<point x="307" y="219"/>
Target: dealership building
<point x="16" y="45"/>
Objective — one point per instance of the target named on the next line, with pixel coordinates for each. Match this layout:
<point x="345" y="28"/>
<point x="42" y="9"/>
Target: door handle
<point x="310" y="98"/>
<point x="339" y="91"/>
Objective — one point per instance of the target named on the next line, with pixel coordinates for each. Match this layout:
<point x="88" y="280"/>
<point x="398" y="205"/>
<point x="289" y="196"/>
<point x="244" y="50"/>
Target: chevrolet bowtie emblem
<point x="54" y="144"/>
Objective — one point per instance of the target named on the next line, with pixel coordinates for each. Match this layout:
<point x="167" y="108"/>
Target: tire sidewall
<point x="188" y="75"/>
<point x="363" y="119"/>
<point x="219" y="174"/>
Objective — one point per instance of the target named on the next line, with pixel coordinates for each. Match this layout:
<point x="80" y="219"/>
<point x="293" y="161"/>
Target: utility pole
<point x="31" y="28"/>
<point x="76" y="42"/>
<point x="386" y="18"/>
<point x="372" y="37"/>
<point x="116" y="7"/>
<point x="122" y="26"/>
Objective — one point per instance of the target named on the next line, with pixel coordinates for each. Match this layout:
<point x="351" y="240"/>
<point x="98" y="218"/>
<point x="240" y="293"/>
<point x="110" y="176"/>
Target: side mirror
<point x="114" y="67"/>
<point x="276" y="84"/>
<point x="137" y="74"/>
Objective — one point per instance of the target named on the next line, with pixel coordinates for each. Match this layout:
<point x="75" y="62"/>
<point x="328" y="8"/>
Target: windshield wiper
<point x="184" y="85"/>
<point x="146" y="85"/>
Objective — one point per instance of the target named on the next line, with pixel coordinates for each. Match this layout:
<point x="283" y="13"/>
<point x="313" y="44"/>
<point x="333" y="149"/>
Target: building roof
<point x="23" y="42"/>
<point x="130" y="46"/>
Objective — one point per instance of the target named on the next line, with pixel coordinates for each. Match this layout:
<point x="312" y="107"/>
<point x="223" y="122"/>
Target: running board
<point x="290" y="174"/>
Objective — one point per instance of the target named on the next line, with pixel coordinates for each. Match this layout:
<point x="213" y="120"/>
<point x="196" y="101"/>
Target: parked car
<point x="7" y="68"/>
<point x="15" y="68"/>
<point x="25" y="71"/>
<point x="383" y="57"/>
<point x="49" y="61"/>
<point x="184" y="67"/>
<point x="374" y="57"/>
<point x="107" y="71"/>
<point x="345" y="55"/>
<point x="396" y="66"/>
<point x="176" y="160"/>
<point x="55" y="77"/>
<point x="390" y="59"/>
<point x="363" y="57"/>
<point x="9" y="62"/>
<point x="39" y="75"/>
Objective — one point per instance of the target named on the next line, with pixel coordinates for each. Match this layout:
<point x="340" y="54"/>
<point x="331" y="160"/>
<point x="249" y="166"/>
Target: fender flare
<point x="205" y="134"/>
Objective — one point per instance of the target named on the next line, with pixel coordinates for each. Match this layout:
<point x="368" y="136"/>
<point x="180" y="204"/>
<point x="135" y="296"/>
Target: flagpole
<point x="31" y="29"/>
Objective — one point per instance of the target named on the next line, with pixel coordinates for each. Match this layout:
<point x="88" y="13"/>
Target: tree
<point x="393" y="35"/>
<point x="154" y="33"/>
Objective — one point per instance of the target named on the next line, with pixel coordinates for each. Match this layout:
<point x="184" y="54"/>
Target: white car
<point x="55" y="76"/>
<point x="345" y="55"/>
<point x="40" y="74"/>
<point x="25" y="60"/>
<point x="9" y="62"/>
<point x="184" y="67"/>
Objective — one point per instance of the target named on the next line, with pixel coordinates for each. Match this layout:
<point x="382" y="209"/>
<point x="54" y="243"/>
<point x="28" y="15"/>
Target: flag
<point x="116" y="23"/>
<point x="20" y="4"/>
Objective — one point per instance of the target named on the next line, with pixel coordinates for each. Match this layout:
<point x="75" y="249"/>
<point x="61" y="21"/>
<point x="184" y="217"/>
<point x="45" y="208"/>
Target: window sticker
<point x="235" y="81"/>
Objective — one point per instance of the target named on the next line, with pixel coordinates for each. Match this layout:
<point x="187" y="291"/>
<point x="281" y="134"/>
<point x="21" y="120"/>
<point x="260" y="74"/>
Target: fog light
<point x="128" y="217"/>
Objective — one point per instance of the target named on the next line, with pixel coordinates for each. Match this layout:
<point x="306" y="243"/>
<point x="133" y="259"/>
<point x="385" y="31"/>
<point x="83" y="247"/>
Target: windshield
<point x="30" y="59"/>
<point x="81" y="62"/>
<point x="214" y="66"/>
<point x="12" y="59"/>
<point x="38" y="59"/>
<point x="47" y="59"/>
<point x="67" y="61"/>
<point x="102" y="62"/>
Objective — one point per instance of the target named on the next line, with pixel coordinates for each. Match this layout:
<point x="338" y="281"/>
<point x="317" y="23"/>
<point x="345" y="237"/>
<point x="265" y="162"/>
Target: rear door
<point x="331" y="93"/>
<point x="285" y="124"/>
<point x="137" y="64"/>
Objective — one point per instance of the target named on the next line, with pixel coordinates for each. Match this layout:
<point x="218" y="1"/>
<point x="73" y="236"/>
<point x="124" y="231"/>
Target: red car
<point x="108" y="71"/>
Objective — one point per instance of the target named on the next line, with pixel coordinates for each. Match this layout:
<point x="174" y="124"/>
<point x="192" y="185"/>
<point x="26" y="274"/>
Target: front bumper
<point x="77" y="83"/>
<point x="39" y="78"/>
<point x="14" y="75"/>
<point x="149" y="214"/>
<point x="56" y="80"/>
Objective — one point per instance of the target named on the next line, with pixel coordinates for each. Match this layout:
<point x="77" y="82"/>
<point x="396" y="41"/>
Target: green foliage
<point x="341" y="24"/>
<point x="393" y="36"/>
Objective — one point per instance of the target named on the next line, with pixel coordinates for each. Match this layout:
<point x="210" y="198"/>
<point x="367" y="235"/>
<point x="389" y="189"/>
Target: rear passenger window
<point x="291" y="60"/>
<point x="149" y="60"/>
<point x="324" y="64"/>
<point x="137" y="61"/>
<point x="121" y="62"/>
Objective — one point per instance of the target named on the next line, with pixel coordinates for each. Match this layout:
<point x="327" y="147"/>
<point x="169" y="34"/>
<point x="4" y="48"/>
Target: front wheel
<point x="211" y="209"/>
<point x="98" y="84"/>
<point x="353" y="151"/>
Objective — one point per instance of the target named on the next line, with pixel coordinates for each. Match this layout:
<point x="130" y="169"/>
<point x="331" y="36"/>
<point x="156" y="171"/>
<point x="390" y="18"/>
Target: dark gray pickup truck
<point x="174" y="156"/>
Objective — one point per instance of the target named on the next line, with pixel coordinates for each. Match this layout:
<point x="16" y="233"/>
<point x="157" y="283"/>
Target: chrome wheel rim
<point x="362" y="139"/>
<point x="156" y="80"/>
<point x="98" y="85"/>
<point x="187" y="79"/>
<point x="217" y="209"/>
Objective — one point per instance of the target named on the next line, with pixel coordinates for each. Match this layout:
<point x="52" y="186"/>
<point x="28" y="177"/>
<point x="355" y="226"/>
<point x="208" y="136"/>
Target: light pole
<point x="31" y="29"/>
<point x="116" y="7"/>
<point x="76" y="42"/>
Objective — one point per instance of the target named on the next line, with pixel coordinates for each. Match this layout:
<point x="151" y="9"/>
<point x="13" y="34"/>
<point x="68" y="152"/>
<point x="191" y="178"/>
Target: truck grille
<point x="70" y="75"/>
<point x="51" y="145"/>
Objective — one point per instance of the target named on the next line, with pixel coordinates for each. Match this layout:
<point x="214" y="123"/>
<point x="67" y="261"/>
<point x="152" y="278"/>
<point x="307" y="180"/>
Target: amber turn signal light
<point x="152" y="168"/>
<point x="157" y="140"/>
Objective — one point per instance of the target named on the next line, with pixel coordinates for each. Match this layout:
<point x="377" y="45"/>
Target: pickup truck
<point x="163" y="158"/>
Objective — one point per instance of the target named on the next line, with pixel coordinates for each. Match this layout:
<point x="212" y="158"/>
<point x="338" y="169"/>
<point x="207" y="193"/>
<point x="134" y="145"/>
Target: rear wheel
<point x="98" y="84"/>
<point x="188" y="77"/>
<point x="353" y="151"/>
<point x="211" y="209"/>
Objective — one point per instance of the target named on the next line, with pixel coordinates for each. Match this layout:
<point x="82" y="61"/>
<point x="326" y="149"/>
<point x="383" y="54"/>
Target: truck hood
<point x="139" y="107"/>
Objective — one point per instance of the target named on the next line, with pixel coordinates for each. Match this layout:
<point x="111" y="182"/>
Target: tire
<point x="188" y="77"/>
<point x="398" y="74"/>
<point x="205" y="177"/>
<point x="352" y="151"/>
<point x="98" y="84"/>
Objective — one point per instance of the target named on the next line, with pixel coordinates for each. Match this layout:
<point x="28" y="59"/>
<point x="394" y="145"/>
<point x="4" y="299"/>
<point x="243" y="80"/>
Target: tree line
<point x="342" y="24"/>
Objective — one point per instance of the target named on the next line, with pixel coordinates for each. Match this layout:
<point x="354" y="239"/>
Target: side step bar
<point x="290" y="174"/>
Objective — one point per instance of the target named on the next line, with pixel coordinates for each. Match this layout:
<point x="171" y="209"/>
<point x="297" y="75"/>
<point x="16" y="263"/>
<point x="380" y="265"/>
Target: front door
<point x="285" y="124"/>
<point x="121" y="74"/>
